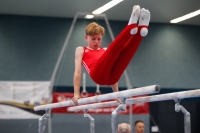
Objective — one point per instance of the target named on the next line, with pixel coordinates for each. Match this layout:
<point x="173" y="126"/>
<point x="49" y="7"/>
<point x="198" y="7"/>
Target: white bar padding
<point x="120" y="94"/>
<point x="94" y="106"/>
<point x="54" y="105"/>
<point x="163" y="97"/>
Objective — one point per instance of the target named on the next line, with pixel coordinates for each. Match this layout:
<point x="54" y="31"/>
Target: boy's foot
<point x="134" y="18"/>
<point x="144" y="21"/>
<point x="134" y="15"/>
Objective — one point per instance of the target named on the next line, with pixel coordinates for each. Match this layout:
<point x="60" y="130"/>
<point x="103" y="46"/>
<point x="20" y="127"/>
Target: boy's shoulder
<point x="79" y="49"/>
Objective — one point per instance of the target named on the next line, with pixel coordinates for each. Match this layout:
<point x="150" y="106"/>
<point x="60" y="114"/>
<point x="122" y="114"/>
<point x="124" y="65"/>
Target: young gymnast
<point x="106" y="65"/>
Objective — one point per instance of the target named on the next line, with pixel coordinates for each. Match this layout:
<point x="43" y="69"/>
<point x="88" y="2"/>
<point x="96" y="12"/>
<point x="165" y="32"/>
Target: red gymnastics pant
<point x="116" y="58"/>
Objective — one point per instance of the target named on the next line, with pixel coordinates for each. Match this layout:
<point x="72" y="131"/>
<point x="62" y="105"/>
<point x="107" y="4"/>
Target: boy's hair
<point x="94" y="28"/>
<point x="138" y="121"/>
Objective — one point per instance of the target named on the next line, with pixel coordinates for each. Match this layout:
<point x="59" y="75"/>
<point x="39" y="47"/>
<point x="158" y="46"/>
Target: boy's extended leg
<point x="104" y="66"/>
<point x="131" y="47"/>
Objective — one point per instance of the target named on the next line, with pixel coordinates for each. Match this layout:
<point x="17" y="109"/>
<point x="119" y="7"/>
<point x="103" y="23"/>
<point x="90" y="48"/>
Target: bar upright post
<point x="42" y="122"/>
<point x="121" y="107"/>
<point x="92" y="125"/>
<point x="187" y="123"/>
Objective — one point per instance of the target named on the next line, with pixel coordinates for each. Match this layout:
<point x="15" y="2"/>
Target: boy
<point x="106" y="65"/>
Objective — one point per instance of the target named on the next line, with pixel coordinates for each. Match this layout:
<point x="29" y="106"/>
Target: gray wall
<point x="168" y="56"/>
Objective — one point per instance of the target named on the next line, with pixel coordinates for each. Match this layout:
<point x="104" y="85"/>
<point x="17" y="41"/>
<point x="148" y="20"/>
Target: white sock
<point x="144" y="21"/>
<point x="134" y="31"/>
<point x="134" y="15"/>
<point x="144" y="17"/>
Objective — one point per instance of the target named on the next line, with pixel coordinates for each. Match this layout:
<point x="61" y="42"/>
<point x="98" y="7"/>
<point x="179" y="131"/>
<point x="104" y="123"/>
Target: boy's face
<point x="94" y="41"/>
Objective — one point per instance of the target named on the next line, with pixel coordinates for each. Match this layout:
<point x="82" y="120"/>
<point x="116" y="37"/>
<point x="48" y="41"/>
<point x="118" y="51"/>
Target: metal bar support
<point x="187" y="123"/>
<point x="92" y="124"/>
<point x="121" y="107"/>
<point x="42" y="122"/>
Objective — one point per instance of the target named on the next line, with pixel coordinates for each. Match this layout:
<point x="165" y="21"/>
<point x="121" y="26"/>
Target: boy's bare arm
<point x="77" y="73"/>
<point x="115" y="89"/>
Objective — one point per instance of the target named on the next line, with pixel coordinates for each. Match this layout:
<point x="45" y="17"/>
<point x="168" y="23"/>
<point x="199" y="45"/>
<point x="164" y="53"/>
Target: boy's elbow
<point x="77" y="75"/>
